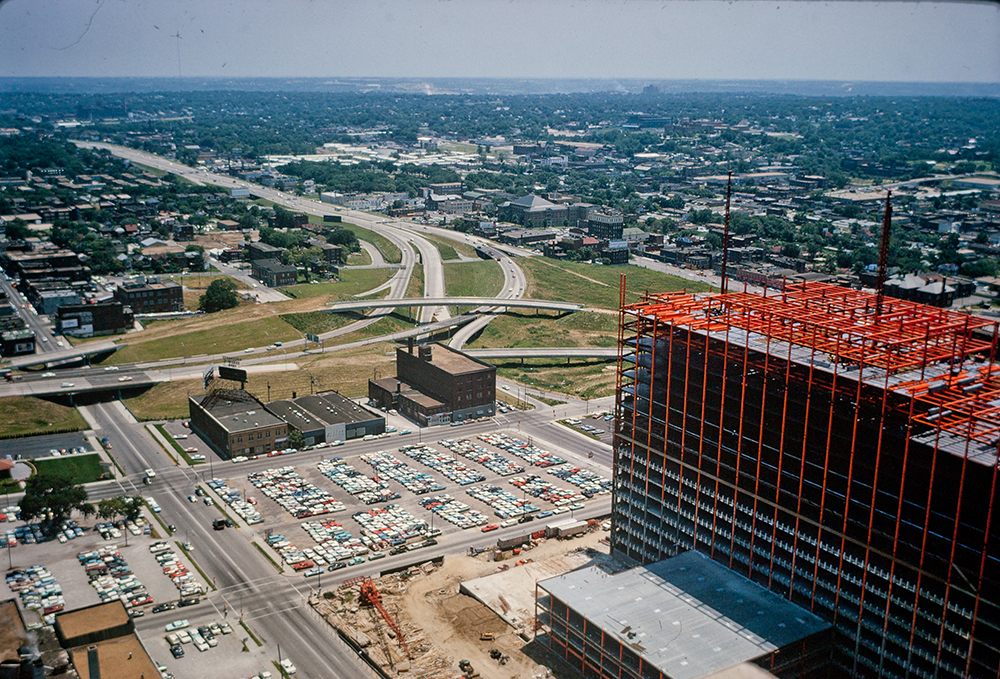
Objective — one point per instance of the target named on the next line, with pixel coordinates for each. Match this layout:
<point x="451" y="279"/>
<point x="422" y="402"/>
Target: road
<point x="405" y="235"/>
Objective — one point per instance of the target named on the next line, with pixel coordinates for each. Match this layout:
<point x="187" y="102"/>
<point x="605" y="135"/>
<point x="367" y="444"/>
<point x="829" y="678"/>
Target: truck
<point x="515" y="541"/>
<point x="565" y="529"/>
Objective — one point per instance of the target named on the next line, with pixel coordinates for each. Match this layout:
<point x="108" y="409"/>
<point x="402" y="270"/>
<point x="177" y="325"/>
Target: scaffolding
<point x="841" y="454"/>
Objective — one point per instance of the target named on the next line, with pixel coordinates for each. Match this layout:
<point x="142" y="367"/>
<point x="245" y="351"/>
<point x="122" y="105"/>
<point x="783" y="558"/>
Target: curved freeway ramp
<point x="337" y="307"/>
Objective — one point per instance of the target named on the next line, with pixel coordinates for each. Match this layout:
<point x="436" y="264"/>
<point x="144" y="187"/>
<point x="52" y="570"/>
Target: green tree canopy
<point x="45" y="493"/>
<point x="220" y="294"/>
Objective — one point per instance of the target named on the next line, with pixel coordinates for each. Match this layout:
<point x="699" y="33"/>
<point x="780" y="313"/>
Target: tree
<point x="295" y="439"/>
<point x="17" y="230"/>
<point x="46" y="493"/>
<point x="220" y="294"/>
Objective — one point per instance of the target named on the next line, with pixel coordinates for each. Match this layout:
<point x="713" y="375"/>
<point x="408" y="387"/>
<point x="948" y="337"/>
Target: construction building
<point x="235" y="423"/>
<point x="682" y="618"/>
<point x="436" y="385"/>
<point x="835" y="447"/>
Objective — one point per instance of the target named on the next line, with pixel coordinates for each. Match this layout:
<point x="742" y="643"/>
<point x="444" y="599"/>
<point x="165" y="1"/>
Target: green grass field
<point x="318" y="322"/>
<point x="226" y="338"/>
<point x="78" y="468"/>
<point x="473" y="279"/>
<point x="26" y="416"/>
<point x="359" y="258"/>
<point x="525" y="329"/>
<point x="596" y="285"/>
<point x="389" y="251"/>
<point x="352" y="282"/>
<point x="460" y="247"/>
<point x="583" y="379"/>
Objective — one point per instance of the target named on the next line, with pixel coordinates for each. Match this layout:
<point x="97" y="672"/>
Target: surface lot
<point x="279" y="521"/>
<point x="61" y="561"/>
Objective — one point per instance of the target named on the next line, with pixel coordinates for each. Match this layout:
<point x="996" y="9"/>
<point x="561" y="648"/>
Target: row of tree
<point x="53" y="498"/>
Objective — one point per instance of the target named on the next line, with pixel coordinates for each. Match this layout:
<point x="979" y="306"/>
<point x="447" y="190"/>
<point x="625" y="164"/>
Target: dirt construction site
<point x="467" y="608"/>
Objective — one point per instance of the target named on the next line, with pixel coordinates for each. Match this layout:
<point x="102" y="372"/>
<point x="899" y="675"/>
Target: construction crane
<point x="370" y="595"/>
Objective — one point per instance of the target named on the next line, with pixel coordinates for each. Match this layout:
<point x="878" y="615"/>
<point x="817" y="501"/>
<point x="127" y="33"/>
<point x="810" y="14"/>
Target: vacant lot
<point x="352" y="282"/>
<point x="25" y="416"/>
<point x="347" y="372"/>
<point x="583" y="379"/>
<point x="526" y="329"/>
<point x="473" y="279"/>
<point x="596" y="285"/>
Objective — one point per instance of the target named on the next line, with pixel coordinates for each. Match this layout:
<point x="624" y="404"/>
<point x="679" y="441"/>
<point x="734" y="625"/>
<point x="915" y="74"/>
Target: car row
<point x="178" y="573"/>
<point x="495" y="462"/>
<point x="112" y="578"/>
<point x="370" y="490"/>
<point x="590" y="483"/>
<point x="529" y="453"/>
<point x="334" y="543"/>
<point x="503" y="503"/>
<point x="415" y="481"/>
<point x="298" y="497"/>
<point x="37" y="589"/>
<point x="457" y="471"/>
<point x="536" y="486"/>
<point x="453" y="511"/>
<point x="234" y="498"/>
<point x="386" y="527"/>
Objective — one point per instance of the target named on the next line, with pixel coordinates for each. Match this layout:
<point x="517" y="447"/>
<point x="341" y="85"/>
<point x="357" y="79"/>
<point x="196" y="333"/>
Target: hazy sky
<point x="740" y="39"/>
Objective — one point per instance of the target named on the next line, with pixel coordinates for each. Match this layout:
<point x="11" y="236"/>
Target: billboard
<point x="208" y="376"/>
<point x="235" y="374"/>
<point x="312" y="338"/>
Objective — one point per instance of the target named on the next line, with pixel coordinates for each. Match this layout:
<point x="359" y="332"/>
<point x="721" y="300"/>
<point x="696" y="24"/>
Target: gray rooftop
<point x="320" y="410"/>
<point x="688" y="615"/>
<point x="237" y="410"/>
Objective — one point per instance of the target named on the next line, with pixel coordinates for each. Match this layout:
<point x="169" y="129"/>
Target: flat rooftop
<point x="92" y="619"/>
<point x="236" y="410"/>
<point x="11" y="630"/>
<point x="320" y="410"/>
<point x="449" y="360"/>
<point x="688" y="615"/>
<point x="121" y="658"/>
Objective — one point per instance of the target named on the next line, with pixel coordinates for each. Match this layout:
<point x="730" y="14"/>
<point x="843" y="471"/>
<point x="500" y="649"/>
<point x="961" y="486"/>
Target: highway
<point x="510" y="302"/>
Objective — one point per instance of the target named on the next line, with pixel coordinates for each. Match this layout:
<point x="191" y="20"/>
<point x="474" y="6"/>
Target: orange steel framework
<point x="886" y="526"/>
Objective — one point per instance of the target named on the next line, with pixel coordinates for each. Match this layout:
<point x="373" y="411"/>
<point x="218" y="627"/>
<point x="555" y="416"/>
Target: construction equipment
<point x="370" y="595"/>
<point x="487" y="636"/>
<point x="466" y="667"/>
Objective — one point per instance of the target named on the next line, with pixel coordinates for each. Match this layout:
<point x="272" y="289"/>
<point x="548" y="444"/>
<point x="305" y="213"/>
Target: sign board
<point x="312" y="338"/>
<point x="236" y="374"/>
<point x="208" y="376"/>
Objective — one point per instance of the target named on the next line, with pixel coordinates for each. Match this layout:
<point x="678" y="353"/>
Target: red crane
<point x="370" y="595"/>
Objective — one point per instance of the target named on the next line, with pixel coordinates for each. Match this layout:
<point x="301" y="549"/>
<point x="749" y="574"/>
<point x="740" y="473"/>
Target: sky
<point x="849" y="40"/>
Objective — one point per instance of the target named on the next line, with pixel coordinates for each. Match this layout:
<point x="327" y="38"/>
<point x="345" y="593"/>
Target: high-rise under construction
<point x="837" y="449"/>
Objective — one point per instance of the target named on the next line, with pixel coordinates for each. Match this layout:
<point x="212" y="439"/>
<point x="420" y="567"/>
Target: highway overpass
<point x="74" y="386"/>
<point x="552" y="352"/>
<point x="82" y="352"/>
<point x="338" y="307"/>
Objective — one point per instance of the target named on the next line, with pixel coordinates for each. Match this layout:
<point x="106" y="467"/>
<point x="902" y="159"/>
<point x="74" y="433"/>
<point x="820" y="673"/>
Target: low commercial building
<point x="683" y="618"/>
<point x="102" y="643"/>
<point x="151" y="295"/>
<point x="233" y="422"/>
<point x="17" y="342"/>
<point x="110" y="317"/>
<point x="273" y="273"/>
<point x="436" y="385"/>
<point x="327" y="417"/>
<point x="258" y="250"/>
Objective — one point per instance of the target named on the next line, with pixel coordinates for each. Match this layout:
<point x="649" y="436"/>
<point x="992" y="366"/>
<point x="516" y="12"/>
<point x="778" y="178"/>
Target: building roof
<point x="688" y="615"/>
<point x="91" y="619"/>
<point x="447" y="359"/>
<point x="532" y="202"/>
<point x="237" y="410"/>
<point x="121" y="658"/>
<point x="274" y="266"/>
<point x="319" y="410"/>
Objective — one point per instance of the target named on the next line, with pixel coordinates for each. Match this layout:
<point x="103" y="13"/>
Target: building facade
<point x="110" y="317"/>
<point x="844" y="459"/>
<point x="436" y="385"/>
<point x="151" y="296"/>
<point x="273" y="273"/>
<point x="235" y="423"/>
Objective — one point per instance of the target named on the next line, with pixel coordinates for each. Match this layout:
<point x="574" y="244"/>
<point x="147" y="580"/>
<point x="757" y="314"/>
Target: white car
<point x="287" y="665"/>
<point x="248" y="350"/>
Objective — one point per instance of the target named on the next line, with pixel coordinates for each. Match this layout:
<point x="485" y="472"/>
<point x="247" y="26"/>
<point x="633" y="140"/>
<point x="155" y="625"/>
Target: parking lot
<point x="332" y="513"/>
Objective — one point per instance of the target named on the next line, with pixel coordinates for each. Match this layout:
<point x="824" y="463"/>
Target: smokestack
<point x="93" y="663"/>
<point x="409" y="344"/>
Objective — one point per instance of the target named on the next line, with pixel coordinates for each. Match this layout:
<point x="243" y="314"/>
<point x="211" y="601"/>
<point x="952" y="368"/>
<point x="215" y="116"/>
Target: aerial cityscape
<point x="453" y="349"/>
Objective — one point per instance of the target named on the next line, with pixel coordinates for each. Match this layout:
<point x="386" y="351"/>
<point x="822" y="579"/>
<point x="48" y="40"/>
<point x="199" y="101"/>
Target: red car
<point x="488" y="528"/>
